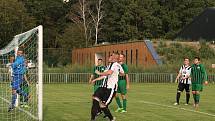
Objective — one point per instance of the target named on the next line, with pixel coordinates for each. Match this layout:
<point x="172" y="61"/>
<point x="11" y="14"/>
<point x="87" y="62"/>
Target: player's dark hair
<point x="198" y="58"/>
<point x="100" y="59"/>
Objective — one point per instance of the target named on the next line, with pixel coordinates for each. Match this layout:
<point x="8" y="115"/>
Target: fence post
<point x="171" y="78"/>
<point x="49" y="76"/>
<point x="66" y="77"/>
<point x="136" y="77"/>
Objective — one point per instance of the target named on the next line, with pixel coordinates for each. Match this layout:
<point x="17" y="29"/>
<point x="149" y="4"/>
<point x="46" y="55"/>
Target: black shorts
<point x="182" y="87"/>
<point x="105" y="95"/>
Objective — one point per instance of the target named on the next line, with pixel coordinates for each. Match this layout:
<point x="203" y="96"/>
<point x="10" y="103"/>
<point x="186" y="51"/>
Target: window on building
<point x="77" y="58"/>
<point x="90" y="58"/>
<point x="105" y="59"/>
<point x="122" y="52"/>
<point x="136" y="57"/>
<point x="126" y="56"/>
<point x="131" y="56"/>
<point x="82" y="58"/>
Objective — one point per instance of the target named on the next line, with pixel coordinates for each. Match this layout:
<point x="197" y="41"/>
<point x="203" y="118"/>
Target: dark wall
<point x="203" y="27"/>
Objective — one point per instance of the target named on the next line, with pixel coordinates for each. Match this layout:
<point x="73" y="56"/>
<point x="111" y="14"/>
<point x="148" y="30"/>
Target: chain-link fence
<point x="52" y="78"/>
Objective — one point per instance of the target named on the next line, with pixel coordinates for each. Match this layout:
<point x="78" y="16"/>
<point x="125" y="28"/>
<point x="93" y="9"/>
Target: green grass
<point x="72" y="102"/>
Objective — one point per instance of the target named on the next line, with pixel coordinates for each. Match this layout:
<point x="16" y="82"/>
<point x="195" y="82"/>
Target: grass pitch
<point x="146" y="102"/>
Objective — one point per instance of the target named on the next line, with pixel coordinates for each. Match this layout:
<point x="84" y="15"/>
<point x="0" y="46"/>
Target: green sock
<point x="197" y="98"/>
<point x="118" y="102"/>
<point x="194" y="97"/>
<point x="124" y="104"/>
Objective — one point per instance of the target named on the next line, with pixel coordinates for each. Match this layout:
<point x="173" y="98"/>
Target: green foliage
<point x="138" y="19"/>
<point x="71" y="37"/>
<point x="123" y="19"/>
<point x="14" y="20"/>
<point x="75" y="68"/>
<point x="52" y="15"/>
<point x="174" y="53"/>
<point x="205" y="51"/>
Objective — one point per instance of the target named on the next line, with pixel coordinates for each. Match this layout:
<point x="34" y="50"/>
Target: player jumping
<point x="198" y="77"/>
<point x="104" y="94"/>
<point x="184" y="81"/>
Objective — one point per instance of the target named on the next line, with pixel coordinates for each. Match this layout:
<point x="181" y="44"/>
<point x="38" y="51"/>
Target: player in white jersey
<point x="104" y="94"/>
<point x="10" y="70"/>
<point x="184" y="81"/>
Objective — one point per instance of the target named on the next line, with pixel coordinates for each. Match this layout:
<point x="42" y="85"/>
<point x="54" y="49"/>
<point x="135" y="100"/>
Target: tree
<point x="97" y="16"/>
<point x="14" y="20"/>
<point x="52" y="15"/>
<point x="72" y="37"/>
<point x="79" y="14"/>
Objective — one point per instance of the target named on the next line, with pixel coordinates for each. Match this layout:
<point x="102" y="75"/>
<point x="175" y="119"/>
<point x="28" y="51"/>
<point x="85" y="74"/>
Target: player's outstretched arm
<point x="121" y="74"/>
<point x="106" y="73"/>
<point x="97" y="79"/>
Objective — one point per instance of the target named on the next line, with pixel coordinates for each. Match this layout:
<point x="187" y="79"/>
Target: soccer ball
<point x="65" y="1"/>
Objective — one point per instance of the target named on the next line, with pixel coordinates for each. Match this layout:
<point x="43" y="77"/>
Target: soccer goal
<point x="29" y="106"/>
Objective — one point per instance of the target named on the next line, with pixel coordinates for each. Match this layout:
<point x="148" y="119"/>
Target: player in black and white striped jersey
<point x="184" y="81"/>
<point x="104" y="94"/>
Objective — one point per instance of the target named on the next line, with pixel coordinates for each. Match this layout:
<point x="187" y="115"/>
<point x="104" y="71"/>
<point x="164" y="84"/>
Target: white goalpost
<point x="29" y="104"/>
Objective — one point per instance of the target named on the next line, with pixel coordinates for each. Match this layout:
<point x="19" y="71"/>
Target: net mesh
<point x="26" y="108"/>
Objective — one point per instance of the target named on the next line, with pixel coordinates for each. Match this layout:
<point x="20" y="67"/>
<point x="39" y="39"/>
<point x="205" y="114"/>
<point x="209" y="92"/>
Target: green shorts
<point x="197" y="87"/>
<point x="95" y="87"/>
<point x="122" y="87"/>
<point x="25" y="87"/>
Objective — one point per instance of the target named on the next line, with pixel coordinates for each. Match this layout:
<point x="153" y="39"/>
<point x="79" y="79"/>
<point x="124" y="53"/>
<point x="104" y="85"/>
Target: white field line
<point x="168" y="106"/>
<point x="146" y="102"/>
<point x="27" y="112"/>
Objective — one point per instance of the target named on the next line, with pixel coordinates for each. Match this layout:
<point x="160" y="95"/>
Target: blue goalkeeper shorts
<point x="17" y="81"/>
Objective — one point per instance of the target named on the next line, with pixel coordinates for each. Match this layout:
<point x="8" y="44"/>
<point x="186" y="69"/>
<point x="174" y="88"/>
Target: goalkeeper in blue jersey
<point x="18" y="68"/>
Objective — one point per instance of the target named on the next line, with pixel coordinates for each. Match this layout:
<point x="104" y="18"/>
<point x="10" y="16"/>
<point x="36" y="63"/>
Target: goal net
<point x="28" y="101"/>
